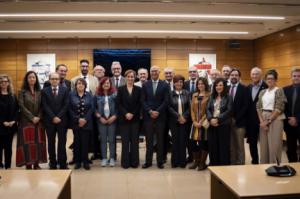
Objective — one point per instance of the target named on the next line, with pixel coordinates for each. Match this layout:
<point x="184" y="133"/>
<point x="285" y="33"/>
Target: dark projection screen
<point x="129" y="58"/>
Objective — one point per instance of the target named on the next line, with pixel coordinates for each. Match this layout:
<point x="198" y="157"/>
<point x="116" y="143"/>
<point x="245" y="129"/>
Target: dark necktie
<point x="54" y="92"/>
<point x="232" y="91"/>
<point x="193" y="86"/>
<point x="294" y="100"/>
<point x="117" y="82"/>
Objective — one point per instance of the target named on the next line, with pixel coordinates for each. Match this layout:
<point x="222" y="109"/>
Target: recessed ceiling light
<point x="140" y="15"/>
<point x="127" y="31"/>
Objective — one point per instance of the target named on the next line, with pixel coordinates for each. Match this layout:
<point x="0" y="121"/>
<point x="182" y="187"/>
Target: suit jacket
<point x="122" y="81"/>
<point x="66" y="82"/>
<point x="186" y="86"/>
<point x="288" y="91"/>
<point x="129" y="103"/>
<point x="252" y="117"/>
<point x="30" y="106"/>
<point x="225" y="109"/>
<point x="240" y="105"/>
<point x="93" y="83"/>
<point x="55" y="106"/>
<point x="9" y="112"/>
<point x="173" y="105"/>
<point x="74" y="101"/>
<point x="155" y="102"/>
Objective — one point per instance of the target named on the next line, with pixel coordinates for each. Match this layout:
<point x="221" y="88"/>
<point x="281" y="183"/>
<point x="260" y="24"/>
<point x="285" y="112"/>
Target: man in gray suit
<point x="117" y="79"/>
<point x="92" y="82"/>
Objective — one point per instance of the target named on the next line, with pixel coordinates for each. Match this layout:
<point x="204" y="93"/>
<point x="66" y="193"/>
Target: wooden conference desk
<point x="251" y="181"/>
<point x="35" y="184"/>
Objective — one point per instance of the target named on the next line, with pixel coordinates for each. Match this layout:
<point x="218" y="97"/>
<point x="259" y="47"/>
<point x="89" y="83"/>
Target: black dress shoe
<point x="174" y="166"/>
<point x="52" y="167"/>
<point x="72" y="162"/>
<point x="63" y="166"/>
<point x="86" y="167"/>
<point x="160" y="166"/>
<point x="125" y="167"/>
<point x="146" y="165"/>
<point x="90" y="161"/>
<point x="77" y="166"/>
<point x="1" y="165"/>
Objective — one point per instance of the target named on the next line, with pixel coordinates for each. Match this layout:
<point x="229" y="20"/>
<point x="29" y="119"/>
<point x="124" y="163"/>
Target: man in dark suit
<point x="62" y="70"/>
<point x="190" y="85"/>
<point x="117" y="79"/>
<point x="155" y="100"/>
<point x="239" y="94"/>
<point x="292" y="113"/>
<point x="55" y="101"/>
<point x="252" y="129"/>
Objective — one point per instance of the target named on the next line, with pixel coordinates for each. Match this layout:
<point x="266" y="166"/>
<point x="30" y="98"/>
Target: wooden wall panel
<point x="280" y="51"/>
<point x="165" y="52"/>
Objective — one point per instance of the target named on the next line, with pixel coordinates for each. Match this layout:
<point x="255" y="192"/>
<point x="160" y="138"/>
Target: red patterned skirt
<point x="31" y="145"/>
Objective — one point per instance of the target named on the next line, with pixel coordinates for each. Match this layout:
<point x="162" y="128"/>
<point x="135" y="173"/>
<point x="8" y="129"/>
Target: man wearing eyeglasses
<point x="62" y="70"/>
<point x="117" y="79"/>
<point x="55" y="101"/>
<point x="190" y="85"/>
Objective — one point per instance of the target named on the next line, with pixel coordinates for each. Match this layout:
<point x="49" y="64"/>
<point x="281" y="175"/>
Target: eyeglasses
<point x="192" y="71"/>
<point x="54" y="78"/>
<point x="4" y="81"/>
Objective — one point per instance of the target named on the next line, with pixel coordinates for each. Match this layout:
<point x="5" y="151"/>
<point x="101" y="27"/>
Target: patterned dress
<point x="31" y="140"/>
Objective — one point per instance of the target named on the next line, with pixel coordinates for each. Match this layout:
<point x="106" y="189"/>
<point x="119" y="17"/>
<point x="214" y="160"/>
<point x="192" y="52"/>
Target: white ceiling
<point x="290" y="9"/>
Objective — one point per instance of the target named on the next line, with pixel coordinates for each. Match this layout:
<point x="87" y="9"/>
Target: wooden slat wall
<point x="280" y="51"/>
<point x="165" y="52"/>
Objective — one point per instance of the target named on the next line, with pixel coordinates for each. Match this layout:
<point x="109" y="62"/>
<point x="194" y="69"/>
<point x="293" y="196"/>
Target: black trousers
<point x="219" y="145"/>
<point x="6" y="146"/>
<point x="81" y="145"/>
<point x="154" y="127"/>
<point x="61" y="133"/>
<point x="292" y="138"/>
<point x="179" y="140"/>
<point x="130" y="144"/>
<point x="252" y="139"/>
<point x="199" y="145"/>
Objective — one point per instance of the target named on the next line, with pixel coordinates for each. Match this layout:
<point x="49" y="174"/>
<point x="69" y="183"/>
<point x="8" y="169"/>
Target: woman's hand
<point x="129" y="116"/>
<point x="35" y="120"/>
<point x="214" y="122"/>
<point x="196" y="124"/>
<point x="264" y="125"/>
<point x="103" y="120"/>
<point x="82" y="122"/>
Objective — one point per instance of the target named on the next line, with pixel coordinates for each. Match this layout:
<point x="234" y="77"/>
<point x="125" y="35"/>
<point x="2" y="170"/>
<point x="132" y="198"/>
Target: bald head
<point x="169" y="74"/>
<point x="256" y="75"/>
<point x="99" y="71"/>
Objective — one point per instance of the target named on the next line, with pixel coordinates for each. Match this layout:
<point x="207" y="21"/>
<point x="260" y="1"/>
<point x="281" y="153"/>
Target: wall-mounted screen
<point x="129" y="58"/>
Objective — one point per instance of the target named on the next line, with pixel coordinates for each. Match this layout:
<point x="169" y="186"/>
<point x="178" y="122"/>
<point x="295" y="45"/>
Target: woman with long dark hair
<point x="107" y="114"/>
<point x="218" y="113"/>
<point x="200" y="124"/>
<point x="8" y="119"/>
<point x="31" y="142"/>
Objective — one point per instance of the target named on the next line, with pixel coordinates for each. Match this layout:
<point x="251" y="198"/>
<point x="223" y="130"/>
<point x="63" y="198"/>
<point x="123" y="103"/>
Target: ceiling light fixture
<point x="140" y="15"/>
<point x="126" y="31"/>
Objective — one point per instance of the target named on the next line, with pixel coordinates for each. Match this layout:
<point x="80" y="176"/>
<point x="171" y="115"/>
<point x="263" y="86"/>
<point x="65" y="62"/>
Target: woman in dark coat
<point x="81" y="109"/>
<point x="218" y="113"/>
<point x="8" y="119"/>
<point x="31" y="142"/>
<point x="129" y="106"/>
<point x="179" y="113"/>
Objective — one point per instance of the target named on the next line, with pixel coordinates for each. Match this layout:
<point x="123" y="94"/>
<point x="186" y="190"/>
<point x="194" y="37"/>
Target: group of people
<point x="205" y="116"/>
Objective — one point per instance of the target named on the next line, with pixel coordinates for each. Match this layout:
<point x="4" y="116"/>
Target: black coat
<point x="225" y="109"/>
<point x="129" y="103"/>
<point x="55" y="106"/>
<point x="240" y="105"/>
<point x="173" y="105"/>
<point x="252" y="117"/>
<point x="155" y="102"/>
<point x="9" y="112"/>
<point x="288" y="91"/>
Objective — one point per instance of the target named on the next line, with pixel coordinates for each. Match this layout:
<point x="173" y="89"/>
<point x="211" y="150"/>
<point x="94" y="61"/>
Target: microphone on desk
<point x="280" y="171"/>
